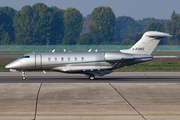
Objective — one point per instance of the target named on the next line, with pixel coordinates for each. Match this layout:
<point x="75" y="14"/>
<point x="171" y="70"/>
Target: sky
<point x="137" y="9"/>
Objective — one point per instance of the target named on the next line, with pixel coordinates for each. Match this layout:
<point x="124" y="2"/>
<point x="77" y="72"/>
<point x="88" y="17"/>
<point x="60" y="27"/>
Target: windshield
<point x="24" y="57"/>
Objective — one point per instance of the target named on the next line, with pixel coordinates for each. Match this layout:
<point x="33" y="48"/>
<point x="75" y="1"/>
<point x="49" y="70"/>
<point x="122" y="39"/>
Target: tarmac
<point x="90" y="101"/>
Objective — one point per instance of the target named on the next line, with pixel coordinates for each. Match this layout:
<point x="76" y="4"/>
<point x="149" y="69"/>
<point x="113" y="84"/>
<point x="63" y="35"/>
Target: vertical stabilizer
<point x="147" y="43"/>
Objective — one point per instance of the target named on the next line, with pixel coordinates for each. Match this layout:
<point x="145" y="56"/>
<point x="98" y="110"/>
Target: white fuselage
<point x="90" y="63"/>
<point x="75" y="61"/>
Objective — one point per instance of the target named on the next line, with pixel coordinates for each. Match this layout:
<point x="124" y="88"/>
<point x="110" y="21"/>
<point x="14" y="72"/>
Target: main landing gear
<point x="91" y="77"/>
<point x="23" y="75"/>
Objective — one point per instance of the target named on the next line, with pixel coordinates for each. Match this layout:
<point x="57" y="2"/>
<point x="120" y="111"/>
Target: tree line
<point x="39" y="25"/>
<point x="43" y="25"/>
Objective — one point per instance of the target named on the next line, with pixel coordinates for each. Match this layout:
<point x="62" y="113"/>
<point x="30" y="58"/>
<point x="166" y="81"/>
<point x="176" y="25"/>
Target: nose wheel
<point x="23" y="75"/>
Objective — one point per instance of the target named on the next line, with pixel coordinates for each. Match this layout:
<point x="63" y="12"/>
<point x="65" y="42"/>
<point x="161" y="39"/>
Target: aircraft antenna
<point x="89" y="50"/>
<point x="53" y="50"/>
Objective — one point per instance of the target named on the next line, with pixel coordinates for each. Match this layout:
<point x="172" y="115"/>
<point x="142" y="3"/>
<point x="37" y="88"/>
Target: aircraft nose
<point x="11" y="65"/>
<point x="8" y="66"/>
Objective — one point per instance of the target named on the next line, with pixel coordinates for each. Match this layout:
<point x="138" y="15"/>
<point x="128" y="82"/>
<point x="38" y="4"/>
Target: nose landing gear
<point x="23" y="75"/>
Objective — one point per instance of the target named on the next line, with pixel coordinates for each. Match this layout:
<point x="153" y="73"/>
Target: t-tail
<point x="147" y="43"/>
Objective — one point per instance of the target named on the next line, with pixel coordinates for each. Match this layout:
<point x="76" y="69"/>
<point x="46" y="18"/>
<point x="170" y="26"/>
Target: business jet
<point x="90" y="63"/>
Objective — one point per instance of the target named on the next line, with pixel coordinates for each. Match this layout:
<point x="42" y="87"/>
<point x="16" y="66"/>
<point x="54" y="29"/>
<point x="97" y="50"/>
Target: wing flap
<point x="98" y="72"/>
<point x="68" y="69"/>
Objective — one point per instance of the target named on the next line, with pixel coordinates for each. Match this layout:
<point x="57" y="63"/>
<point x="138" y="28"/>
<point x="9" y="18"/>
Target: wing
<point x="90" y="70"/>
<point x="99" y="71"/>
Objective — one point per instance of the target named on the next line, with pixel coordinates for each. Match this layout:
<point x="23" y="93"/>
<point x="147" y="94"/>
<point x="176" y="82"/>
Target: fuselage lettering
<point x="138" y="49"/>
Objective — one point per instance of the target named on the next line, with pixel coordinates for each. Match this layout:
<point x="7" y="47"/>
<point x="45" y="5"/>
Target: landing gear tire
<point x="91" y="77"/>
<point x="23" y="77"/>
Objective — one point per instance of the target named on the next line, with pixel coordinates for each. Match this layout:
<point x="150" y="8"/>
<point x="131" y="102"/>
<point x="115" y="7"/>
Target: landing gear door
<point x="38" y="61"/>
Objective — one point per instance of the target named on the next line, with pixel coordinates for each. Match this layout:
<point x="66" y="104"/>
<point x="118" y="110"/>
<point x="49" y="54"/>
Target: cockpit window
<point x="24" y="57"/>
<point x="21" y="57"/>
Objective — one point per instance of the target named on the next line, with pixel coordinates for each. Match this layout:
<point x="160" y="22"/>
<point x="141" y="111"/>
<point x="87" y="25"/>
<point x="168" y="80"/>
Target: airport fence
<point x="79" y="47"/>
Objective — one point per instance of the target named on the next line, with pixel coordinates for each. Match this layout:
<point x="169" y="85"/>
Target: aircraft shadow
<point x="109" y="79"/>
<point x="77" y="79"/>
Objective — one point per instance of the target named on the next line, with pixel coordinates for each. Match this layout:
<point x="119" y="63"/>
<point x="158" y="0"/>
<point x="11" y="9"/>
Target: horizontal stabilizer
<point x="168" y="56"/>
<point x="159" y="36"/>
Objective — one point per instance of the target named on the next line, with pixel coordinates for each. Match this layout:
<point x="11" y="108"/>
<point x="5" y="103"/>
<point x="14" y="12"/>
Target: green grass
<point x="156" y="65"/>
<point x="150" y="67"/>
<point x="15" y="52"/>
<point x="4" y="62"/>
<point x="166" y="52"/>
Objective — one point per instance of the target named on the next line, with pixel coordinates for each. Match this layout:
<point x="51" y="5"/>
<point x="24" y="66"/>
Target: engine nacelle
<point x="110" y="56"/>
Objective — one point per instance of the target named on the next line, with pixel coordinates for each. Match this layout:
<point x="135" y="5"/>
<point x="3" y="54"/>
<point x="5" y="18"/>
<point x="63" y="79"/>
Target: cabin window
<point x="49" y="59"/>
<point x="75" y="58"/>
<point x="62" y="59"/>
<point x="68" y="58"/>
<point x="82" y="58"/>
<point x="55" y="58"/>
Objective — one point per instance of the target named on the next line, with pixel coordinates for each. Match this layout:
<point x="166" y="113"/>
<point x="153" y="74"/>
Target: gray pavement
<point x="115" y="74"/>
<point x="16" y="100"/>
<point x="83" y="79"/>
<point x="116" y="77"/>
<point x="76" y="101"/>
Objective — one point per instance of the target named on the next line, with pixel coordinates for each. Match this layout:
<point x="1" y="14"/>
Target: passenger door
<point x="38" y="61"/>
